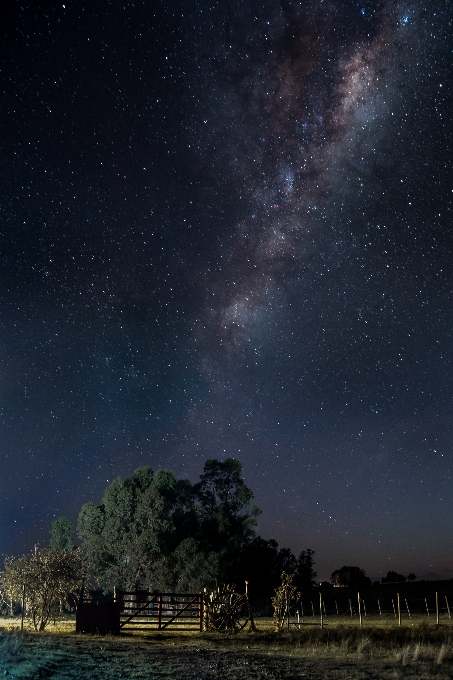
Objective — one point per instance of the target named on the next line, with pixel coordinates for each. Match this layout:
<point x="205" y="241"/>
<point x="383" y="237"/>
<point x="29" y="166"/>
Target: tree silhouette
<point x="394" y="577"/>
<point x="350" y="576"/>
<point x="305" y="572"/>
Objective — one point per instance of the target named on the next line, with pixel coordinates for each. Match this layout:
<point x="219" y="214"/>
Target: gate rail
<point x="160" y="610"/>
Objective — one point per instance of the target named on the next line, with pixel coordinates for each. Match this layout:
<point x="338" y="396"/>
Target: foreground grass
<point x="341" y="651"/>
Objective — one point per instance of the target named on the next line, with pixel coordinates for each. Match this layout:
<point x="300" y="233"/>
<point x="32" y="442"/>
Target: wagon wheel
<point x="227" y="611"/>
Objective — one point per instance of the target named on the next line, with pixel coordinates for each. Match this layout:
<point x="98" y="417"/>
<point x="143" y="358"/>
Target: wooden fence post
<point x="159" y="611"/>
<point x="399" y="608"/>
<point x="437" y="608"/>
<point x="394" y="610"/>
<point x="379" y="605"/>
<point x="118" y="597"/>
<point x="200" y="611"/>
<point x="448" y="607"/>
<point x="249" y="606"/>
<point x="336" y="606"/>
<point x="407" y="607"/>
<point x="23" y="607"/>
<point x="320" y="608"/>
<point x="350" y="607"/>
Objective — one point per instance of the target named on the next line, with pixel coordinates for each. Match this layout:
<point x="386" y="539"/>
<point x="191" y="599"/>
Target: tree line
<point x="174" y="536"/>
<point x="157" y="532"/>
<point x="354" y="576"/>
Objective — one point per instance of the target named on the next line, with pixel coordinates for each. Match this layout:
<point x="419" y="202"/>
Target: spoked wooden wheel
<point x="227" y="611"/>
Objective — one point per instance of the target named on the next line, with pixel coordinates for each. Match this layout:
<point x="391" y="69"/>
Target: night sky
<point x="226" y="231"/>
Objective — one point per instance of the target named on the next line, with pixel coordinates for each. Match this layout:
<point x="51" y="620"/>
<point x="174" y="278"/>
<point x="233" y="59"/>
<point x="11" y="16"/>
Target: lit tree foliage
<point x="61" y="534"/>
<point x="188" y="569"/>
<point x="138" y="533"/>
<point x="51" y="578"/>
<point x="286" y="597"/>
<point x="139" y="521"/>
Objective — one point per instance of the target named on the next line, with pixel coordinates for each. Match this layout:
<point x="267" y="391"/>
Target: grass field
<point x="418" y="650"/>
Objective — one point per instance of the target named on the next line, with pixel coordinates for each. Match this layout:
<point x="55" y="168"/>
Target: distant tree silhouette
<point x="411" y="577"/>
<point x="350" y="576"/>
<point x="394" y="577"/>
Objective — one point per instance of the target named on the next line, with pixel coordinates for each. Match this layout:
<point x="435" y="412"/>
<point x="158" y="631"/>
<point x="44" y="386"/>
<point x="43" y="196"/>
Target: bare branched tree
<point x="286" y="597"/>
<point x="51" y="578"/>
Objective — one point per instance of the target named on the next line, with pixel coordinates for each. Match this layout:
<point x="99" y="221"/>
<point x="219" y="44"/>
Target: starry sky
<point x="225" y="231"/>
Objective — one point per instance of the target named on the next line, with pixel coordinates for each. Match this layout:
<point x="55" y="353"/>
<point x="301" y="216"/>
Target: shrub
<point x="51" y="578"/>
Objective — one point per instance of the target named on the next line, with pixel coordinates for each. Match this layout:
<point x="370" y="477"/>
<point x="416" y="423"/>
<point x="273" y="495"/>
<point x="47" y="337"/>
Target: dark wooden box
<point x="103" y="619"/>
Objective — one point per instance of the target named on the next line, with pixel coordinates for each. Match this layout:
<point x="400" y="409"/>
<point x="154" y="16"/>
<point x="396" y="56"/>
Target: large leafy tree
<point x="227" y="519"/>
<point x="154" y="530"/>
<point x="261" y="563"/>
<point x="188" y="569"/>
<point x="61" y="534"/>
<point x="286" y="561"/>
<point x="139" y="521"/>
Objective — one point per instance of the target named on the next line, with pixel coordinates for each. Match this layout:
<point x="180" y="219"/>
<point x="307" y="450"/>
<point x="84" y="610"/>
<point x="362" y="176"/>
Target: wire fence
<point x="432" y="606"/>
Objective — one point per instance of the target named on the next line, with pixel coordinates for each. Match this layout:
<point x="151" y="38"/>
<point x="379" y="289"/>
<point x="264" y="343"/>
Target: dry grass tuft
<point x="442" y="652"/>
<point x="10" y="646"/>
<point x="407" y="644"/>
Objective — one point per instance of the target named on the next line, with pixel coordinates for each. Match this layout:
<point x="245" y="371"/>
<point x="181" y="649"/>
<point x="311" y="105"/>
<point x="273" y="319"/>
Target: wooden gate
<point x="145" y="610"/>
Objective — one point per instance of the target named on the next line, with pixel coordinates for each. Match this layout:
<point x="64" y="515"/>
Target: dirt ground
<point x="181" y="657"/>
